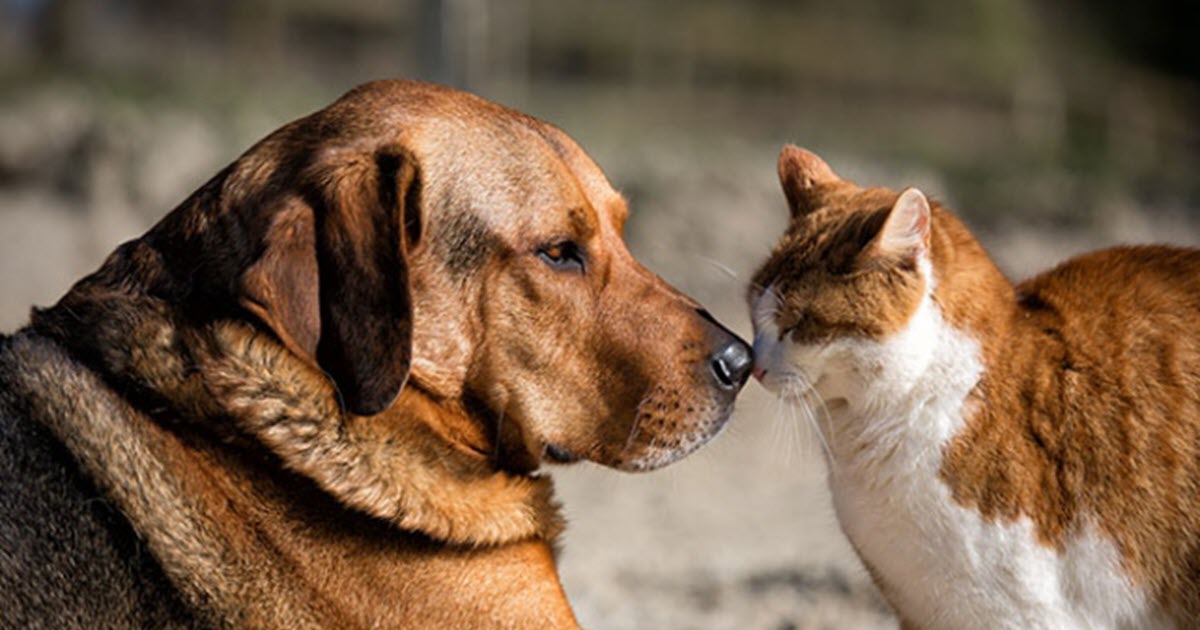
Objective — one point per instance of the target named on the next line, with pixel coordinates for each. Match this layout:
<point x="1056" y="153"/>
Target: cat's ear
<point x="905" y="232"/>
<point x="801" y="173"/>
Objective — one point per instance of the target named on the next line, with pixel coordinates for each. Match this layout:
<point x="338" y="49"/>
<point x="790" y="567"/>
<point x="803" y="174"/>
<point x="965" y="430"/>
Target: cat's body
<point x="1001" y="457"/>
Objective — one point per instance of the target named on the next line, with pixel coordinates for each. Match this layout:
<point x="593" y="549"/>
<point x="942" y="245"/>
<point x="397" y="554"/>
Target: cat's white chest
<point x="943" y="565"/>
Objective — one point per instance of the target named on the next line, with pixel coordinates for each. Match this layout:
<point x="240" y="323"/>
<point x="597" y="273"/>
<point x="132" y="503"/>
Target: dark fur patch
<point x="68" y="558"/>
<point x="465" y="243"/>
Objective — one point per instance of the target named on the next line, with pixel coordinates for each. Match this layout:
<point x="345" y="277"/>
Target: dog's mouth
<point x="656" y="451"/>
<point x="654" y="441"/>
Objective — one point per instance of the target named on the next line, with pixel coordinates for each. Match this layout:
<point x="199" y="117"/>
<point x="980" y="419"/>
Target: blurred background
<point x="1051" y="127"/>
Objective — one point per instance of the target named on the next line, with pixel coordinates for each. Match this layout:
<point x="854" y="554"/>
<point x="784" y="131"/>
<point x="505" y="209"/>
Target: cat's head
<point x="836" y="305"/>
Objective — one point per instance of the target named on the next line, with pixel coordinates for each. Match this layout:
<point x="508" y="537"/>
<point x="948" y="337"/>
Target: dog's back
<point x="68" y="558"/>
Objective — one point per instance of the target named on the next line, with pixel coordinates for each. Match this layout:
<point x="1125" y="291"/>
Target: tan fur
<point x="1088" y="412"/>
<point x="251" y="547"/>
<point x="394" y="466"/>
<point x="398" y="466"/>
<point x="335" y="369"/>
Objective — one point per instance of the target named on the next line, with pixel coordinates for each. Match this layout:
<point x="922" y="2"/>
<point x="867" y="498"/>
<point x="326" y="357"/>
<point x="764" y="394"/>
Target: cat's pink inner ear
<point x="800" y="173"/>
<point x="906" y="230"/>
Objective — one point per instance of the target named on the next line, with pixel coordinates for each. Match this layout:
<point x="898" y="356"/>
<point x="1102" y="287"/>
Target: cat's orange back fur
<point x="1090" y="409"/>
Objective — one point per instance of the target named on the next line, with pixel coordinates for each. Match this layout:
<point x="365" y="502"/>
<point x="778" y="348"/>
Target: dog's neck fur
<point x="418" y="464"/>
<point x="250" y="544"/>
<point x="422" y="464"/>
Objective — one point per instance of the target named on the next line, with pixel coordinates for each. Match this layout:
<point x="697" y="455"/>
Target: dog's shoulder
<point x="68" y="558"/>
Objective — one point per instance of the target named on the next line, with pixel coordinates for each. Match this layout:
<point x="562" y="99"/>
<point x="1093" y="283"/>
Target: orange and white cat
<point x="1001" y="456"/>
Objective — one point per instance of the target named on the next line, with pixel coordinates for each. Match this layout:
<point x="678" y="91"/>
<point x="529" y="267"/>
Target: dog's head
<point x="412" y="235"/>
<point x="529" y="306"/>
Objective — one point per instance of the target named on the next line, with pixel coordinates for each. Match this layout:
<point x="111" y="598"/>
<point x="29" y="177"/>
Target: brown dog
<point x="316" y="393"/>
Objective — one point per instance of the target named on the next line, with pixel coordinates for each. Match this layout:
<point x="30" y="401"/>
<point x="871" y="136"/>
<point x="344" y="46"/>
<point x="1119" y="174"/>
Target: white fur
<point x="894" y="405"/>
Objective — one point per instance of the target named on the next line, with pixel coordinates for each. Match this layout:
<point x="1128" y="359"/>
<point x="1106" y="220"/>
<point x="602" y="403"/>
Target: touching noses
<point x="731" y="364"/>
<point x="760" y="373"/>
<point x="760" y="352"/>
<point x="731" y="359"/>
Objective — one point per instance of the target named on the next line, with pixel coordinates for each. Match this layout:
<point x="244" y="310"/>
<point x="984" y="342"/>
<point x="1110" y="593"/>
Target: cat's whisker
<point x="789" y="421"/>
<point x="757" y="286"/>
<point x="719" y="266"/>
<point x="798" y="429"/>
<point x="786" y="431"/>
<point x="765" y="312"/>
<point x="775" y="297"/>
<point x="798" y="391"/>
<point x="790" y="435"/>
<point x="823" y="408"/>
<point x="825" y="414"/>
<point x="799" y="433"/>
<point x="812" y="420"/>
<point x="778" y="429"/>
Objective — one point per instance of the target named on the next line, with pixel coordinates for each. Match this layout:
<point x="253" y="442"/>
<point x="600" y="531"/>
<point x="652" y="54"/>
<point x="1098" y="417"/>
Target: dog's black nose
<point x="731" y="364"/>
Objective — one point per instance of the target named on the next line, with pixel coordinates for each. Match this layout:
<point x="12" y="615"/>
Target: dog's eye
<point x="564" y="256"/>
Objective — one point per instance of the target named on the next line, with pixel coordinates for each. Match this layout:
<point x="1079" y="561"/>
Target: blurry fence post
<point x="431" y="52"/>
<point x="60" y="28"/>
<point x="453" y="42"/>
<point x="510" y="27"/>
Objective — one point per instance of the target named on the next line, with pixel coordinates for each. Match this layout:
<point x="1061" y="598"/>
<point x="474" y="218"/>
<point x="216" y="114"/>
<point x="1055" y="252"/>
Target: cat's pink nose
<point x="759" y="373"/>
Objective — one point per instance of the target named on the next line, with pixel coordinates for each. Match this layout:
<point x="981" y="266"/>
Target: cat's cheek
<point x="842" y="369"/>
<point x="814" y="360"/>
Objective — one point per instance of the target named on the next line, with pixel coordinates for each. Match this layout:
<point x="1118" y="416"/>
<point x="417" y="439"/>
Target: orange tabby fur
<point x="1087" y="413"/>
<point x="1091" y="406"/>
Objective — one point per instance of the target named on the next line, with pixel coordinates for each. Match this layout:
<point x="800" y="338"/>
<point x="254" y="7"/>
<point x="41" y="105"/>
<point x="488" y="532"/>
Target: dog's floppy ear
<point x="332" y="279"/>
